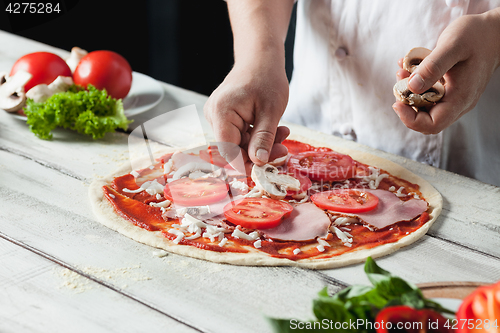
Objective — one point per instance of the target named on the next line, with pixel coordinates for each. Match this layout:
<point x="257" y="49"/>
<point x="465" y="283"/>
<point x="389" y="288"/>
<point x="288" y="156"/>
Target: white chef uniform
<point x="345" y="62"/>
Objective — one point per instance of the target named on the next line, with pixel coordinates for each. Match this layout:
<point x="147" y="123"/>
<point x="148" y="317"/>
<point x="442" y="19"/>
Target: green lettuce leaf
<point x="361" y="302"/>
<point x="92" y="112"/>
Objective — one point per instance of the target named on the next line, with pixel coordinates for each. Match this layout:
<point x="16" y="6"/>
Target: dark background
<point x="187" y="43"/>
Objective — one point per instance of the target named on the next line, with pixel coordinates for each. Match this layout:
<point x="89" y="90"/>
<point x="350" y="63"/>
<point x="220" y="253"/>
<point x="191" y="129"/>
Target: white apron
<point x="345" y="63"/>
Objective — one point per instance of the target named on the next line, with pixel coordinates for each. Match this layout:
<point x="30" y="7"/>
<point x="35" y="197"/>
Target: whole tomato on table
<point x="480" y="311"/>
<point x="105" y="70"/>
<point x="403" y="318"/>
<point x="44" y="66"/>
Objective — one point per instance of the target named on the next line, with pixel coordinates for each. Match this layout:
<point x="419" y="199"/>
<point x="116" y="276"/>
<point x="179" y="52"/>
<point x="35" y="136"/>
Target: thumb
<point x="431" y="69"/>
<point x="262" y="139"/>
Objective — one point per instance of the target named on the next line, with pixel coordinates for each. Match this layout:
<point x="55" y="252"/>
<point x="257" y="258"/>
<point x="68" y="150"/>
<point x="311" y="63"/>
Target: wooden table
<point x="61" y="270"/>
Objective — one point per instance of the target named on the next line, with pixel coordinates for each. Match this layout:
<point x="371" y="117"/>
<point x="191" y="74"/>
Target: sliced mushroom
<point x="404" y="94"/>
<point x="426" y="99"/>
<point x="197" y="170"/>
<point x="414" y="58"/>
<point x="274" y="185"/>
<point x="12" y="96"/>
<point x="74" y="59"/>
<point x="279" y="161"/>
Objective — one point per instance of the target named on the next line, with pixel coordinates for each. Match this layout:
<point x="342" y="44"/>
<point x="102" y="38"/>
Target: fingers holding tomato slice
<point x="196" y="192"/>
<point x="257" y="213"/>
<point x="346" y="200"/>
<point x="322" y="166"/>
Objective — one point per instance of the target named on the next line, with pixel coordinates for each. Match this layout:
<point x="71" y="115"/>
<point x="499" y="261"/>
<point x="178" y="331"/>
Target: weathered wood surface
<point x="46" y="226"/>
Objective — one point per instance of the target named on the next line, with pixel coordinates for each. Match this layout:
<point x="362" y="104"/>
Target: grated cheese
<point x="168" y="167"/>
<point x="178" y="233"/>
<point x="195" y="210"/>
<point x="254" y="193"/>
<point x="152" y="187"/>
<point x="257" y="244"/>
<point x="296" y="251"/>
<point x="223" y="242"/>
<point x="237" y="233"/>
<point x="400" y="193"/>
<point x="162" y="204"/>
<point x="239" y="185"/>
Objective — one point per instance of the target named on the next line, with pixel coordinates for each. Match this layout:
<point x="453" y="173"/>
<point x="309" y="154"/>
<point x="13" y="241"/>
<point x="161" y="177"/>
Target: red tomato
<point x="295" y="147"/>
<point x="44" y="66"/>
<point x="213" y="156"/>
<point x="346" y="200"/>
<point x="403" y="318"/>
<point x="257" y="213"/>
<point x="105" y="70"/>
<point x="305" y="184"/>
<point x="322" y="166"/>
<point x="195" y="192"/>
<point x="480" y="311"/>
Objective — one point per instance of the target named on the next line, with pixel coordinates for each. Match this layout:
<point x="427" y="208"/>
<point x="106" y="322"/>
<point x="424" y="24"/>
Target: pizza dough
<point x="106" y="214"/>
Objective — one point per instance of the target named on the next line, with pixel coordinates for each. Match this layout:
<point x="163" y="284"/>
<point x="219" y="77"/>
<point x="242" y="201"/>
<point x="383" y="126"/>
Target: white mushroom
<point x="414" y="58"/>
<point x="12" y="96"/>
<point x="41" y="92"/>
<point x="405" y="95"/>
<point x="426" y="99"/>
<point x="61" y="84"/>
<point x="274" y="185"/>
<point x="197" y="170"/>
<point x="76" y="55"/>
<point x="279" y="161"/>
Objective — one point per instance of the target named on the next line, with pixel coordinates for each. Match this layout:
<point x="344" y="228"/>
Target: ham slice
<point x="306" y="222"/>
<point x="391" y="209"/>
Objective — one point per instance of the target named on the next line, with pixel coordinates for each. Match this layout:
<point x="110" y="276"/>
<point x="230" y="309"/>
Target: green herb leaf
<point x="91" y="112"/>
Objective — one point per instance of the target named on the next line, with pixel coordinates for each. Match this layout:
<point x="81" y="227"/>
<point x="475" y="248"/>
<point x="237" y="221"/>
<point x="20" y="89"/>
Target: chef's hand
<point x="246" y="108"/>
<point x="466" y="55"/>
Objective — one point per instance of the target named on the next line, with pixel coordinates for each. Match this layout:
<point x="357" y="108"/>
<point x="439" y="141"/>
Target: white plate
<point x="145" y="94"/>
<point x="451" y="304"/>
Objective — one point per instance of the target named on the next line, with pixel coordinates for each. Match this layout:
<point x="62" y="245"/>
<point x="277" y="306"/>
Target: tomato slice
<point x="322" y="166"/>
<point x="346" y="200"/>
<point x="295" y="147"/>
<point x="257" y="213"/>
<point x="196" y="192"/>
<point x="213" y="156"/>
<point x="305" y="184"/>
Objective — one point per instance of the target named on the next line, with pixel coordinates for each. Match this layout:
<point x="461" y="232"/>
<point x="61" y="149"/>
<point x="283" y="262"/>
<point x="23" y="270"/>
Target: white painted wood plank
<point x="37" y="295"/>
<point x="50" y="212"/>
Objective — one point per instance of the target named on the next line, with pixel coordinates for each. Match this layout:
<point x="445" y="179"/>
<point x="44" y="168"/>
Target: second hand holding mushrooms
<point x="417" y="101"/>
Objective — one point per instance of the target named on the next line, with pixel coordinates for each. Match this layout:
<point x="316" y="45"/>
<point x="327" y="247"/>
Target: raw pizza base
<point x="106" y="214"/>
